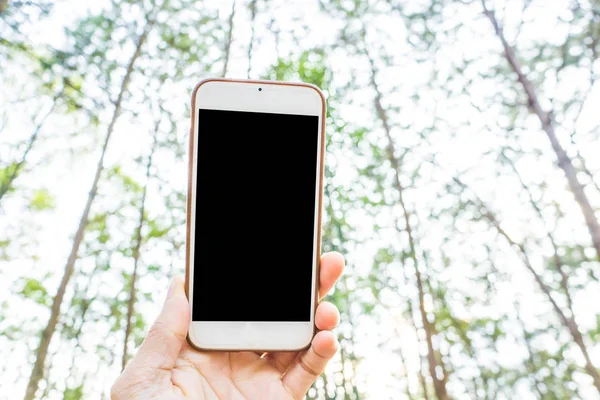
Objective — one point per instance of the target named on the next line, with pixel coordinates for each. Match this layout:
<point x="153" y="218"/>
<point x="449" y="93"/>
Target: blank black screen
<point x="255" y="213"/>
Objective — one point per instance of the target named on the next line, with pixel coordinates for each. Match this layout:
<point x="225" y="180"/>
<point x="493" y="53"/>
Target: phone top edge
<point x="264" y="82"/>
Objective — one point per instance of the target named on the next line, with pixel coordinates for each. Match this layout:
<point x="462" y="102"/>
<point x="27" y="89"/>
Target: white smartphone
<point x="254" y="214"/>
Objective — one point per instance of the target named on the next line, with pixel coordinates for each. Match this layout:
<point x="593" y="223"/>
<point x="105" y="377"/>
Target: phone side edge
<point x="320" y="205"/>
<point x="191" y="155"/>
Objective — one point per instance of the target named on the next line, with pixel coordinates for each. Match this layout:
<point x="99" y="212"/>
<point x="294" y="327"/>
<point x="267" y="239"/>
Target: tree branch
<point x="229" y="40"/>
<point x="16" y="168"/>
<point x="251" y="43"/>
<point x="567" y="322"/>
<point x="37" y="372"/>
<point x="563" y="160"/>
<point x="556" y="257"/>
<point x="136" y="251"/>
<point x="439" y="383"/>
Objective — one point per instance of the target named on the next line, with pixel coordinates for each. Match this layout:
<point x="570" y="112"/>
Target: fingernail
<point x="177" y="288"/>
<point x="172" y="288"/>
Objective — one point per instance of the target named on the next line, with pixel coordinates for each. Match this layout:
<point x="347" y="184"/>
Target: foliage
<point x="467" y="253"/>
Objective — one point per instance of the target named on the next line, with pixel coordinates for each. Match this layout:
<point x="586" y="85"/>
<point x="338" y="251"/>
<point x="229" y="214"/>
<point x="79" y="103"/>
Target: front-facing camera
<point x="260" y="89"/>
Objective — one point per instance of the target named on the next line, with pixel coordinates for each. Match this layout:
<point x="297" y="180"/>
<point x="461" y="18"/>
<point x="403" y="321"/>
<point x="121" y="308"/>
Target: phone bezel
<point x="254" y="96"/>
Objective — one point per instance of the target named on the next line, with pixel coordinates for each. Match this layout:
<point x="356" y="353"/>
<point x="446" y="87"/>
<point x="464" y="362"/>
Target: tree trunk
<point x="136" y="252"/>
<point x="564" y="161"/>
<point x="568" y="322"/>
<point x="49" y="387"/>
<point x="229" y="41"/>
<point x="3" y="4"/>
<point x="252" y="7"/>
<point x="76" y="337"/>
<point x="16" y="169"/>
<point x="38" y="368"/>
<point x="564" y="282"/>
<point x="467" y="343"/>
<point x="439" y="383"/>
<point x="82" y="312"/>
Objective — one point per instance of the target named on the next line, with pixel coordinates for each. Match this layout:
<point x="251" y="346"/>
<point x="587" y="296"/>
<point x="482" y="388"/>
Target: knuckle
<point x="160" y="330"/>
<point x="309" y="367"/>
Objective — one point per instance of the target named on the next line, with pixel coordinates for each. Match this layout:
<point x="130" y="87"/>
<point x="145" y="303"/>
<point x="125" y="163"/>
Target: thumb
<point x="166" y="336"/>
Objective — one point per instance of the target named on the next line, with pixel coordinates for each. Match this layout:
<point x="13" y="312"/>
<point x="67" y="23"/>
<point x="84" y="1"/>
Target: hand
<point x="167" y="367"/>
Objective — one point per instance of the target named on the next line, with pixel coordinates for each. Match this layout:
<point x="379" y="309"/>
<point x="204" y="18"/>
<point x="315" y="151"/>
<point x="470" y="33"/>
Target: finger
<point x="282" y="360"/>
<point x="166" y="336"/>
<point x="332" y="266"/>
<point x="309" y="365"/>
<point x="327" y="316"/>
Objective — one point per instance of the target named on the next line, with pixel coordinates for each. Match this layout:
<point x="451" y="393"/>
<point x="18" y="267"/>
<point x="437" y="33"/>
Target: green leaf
<point x="75" y="393"/>
<point x="41" y="200"/>
<point x="34" y="290"/>
<point x="153" y="268"/>
<point x="128" y="182"/>
<point x="7" y="174"/>
<point x="155" y="230"/>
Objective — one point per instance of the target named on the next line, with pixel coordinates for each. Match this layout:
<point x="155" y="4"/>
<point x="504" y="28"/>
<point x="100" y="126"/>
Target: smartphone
<point x="256" y="154"/>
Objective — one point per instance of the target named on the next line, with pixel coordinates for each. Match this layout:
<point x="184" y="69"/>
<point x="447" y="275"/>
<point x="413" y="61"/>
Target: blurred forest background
<point x="463" y="184"/>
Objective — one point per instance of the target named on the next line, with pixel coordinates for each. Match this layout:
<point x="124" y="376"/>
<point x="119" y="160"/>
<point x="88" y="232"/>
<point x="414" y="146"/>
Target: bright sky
<point x="68" y="178"/>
